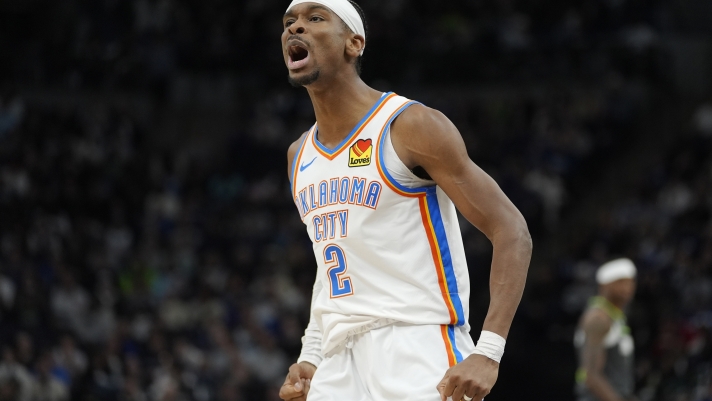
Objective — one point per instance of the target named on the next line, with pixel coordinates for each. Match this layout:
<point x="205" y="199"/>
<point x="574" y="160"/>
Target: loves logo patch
<point x="360" y="153"/>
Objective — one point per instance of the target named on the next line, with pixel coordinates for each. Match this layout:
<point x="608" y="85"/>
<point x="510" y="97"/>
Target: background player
<point x="603" y="339"/>
<point x="322" y="43"/>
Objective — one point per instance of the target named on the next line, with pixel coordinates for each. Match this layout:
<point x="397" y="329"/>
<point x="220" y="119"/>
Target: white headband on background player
<point x="345" y="10"/>
<point x="614" y="270"/>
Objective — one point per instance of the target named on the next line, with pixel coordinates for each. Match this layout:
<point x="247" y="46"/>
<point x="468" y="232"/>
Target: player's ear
<point x="354" y="44"/>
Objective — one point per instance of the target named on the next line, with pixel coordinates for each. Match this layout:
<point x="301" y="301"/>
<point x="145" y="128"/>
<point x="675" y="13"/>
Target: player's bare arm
<point x="425" y="137"/>
<point x="596" y="325"/>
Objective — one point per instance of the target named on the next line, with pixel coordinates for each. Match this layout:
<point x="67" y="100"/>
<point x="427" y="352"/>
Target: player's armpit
<point x="596" y="325"/>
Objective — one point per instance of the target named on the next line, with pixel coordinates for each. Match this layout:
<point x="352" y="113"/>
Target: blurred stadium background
<point x="149" y="249"/>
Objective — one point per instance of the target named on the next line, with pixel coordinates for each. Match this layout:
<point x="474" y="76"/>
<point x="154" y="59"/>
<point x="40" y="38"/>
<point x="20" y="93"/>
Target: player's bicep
<point x="428" y="139"/>
<point x="476" y="195"/>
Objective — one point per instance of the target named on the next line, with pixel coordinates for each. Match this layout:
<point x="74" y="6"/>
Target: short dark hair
<point x="359" y="60"/>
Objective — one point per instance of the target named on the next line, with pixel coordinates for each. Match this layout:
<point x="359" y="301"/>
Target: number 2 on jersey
<point x="340" y="284"/>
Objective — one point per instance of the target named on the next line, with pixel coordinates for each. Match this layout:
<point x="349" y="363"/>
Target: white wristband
<point x="490" y="345"/>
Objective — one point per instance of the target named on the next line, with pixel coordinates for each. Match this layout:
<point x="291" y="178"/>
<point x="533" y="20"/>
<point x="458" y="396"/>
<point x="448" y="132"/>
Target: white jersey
<point x="386" y="252"/>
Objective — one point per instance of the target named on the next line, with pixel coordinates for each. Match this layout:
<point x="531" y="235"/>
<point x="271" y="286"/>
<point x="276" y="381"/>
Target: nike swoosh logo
<point x="306" y="166"/>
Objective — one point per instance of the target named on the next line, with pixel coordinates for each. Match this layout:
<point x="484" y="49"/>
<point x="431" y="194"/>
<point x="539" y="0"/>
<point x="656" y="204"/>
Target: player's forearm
<point x="512" y="251"/>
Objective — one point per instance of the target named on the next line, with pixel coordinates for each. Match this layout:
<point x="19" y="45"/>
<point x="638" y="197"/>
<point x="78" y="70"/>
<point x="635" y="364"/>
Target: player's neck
<point x="339" y="106"/>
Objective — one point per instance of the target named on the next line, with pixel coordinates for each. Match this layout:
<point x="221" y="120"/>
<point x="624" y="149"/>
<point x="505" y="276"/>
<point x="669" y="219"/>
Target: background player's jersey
<point x="619" y="345"/>
<point x="385" y="252"/>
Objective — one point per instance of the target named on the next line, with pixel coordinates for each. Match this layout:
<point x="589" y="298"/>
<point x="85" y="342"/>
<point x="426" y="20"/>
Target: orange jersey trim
<point x="449" y="348"/>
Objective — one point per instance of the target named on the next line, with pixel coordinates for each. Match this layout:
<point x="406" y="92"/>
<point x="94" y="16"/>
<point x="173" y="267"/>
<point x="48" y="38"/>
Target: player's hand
<point x="474" y="377"/>
<point x="296" y="384"/>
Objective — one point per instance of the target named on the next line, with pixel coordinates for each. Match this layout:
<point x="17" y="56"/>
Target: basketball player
<point x="603" y="340"/>
<point x="376" y="181"/>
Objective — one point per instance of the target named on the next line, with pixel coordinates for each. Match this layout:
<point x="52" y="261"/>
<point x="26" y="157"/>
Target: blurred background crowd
<point x="149" y="247"/>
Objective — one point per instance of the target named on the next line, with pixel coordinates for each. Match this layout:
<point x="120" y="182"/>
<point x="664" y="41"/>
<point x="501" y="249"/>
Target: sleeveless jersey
<point x="385" y="252"/>
<point x="619" y="346"/>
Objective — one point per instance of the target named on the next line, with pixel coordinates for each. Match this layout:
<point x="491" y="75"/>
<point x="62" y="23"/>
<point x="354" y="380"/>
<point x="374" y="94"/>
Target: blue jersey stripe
<point x="451" y="335"/>
<point x="353" y="131"/>
<point x="436" y="218"/>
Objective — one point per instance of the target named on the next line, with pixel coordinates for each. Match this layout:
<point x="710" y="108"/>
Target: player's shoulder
<point x="596" y="320"/>
<point x="421" y="133"/>
<point x="421" y="118"/>
<point x="292" y="151"/>
<point x="424" y="129"/>
<point x="294" y="147"/>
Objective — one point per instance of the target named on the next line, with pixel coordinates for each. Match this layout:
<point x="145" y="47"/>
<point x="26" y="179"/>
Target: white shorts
<point x="394" y="362"/>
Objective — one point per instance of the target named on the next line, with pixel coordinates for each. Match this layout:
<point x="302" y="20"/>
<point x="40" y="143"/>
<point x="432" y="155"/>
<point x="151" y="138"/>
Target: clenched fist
<point x="474" y="377"/>
<point x="296" y="384"/>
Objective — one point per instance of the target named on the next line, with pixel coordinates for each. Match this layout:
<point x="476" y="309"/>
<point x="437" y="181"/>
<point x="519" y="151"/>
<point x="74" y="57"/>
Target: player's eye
<point x="288" y="22"/>
<point x="315" y="18"/>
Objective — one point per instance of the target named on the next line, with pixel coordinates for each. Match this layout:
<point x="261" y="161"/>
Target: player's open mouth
<point x="298" y="57"/>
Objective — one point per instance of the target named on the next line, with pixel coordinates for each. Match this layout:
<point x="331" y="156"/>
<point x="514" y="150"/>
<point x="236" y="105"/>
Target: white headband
<point x="345" y="10"/>
<point x="615" y="270"/>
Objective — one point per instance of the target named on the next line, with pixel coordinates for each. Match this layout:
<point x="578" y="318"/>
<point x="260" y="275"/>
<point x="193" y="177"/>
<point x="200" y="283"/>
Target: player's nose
<point x="297" y="27"/>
